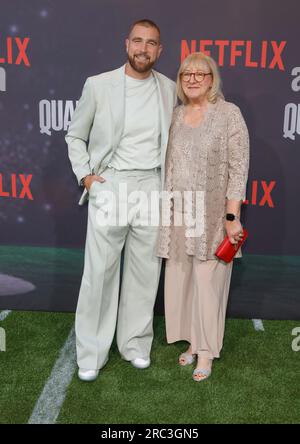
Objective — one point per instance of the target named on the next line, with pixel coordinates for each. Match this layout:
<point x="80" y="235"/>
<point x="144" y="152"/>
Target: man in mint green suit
<point x="118" y="137"/>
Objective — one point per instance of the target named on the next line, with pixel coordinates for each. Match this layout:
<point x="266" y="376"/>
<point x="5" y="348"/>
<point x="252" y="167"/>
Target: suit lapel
<point x="165" y="118"/>
<point x="117" y="103"/>
<point x="163" y="108"/>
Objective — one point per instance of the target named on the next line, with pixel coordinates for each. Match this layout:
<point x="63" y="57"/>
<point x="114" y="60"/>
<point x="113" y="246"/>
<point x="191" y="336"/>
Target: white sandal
<point x="189" y="359"/>
<point x="205" y="373"/>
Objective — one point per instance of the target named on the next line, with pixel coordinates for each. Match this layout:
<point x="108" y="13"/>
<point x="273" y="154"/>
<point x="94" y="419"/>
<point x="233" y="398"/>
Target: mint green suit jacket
<point x="98" y="120"/>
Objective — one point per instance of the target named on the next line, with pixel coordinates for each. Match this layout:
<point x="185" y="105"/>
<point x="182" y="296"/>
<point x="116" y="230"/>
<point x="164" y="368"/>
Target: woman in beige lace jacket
<point x="206" y="175"/>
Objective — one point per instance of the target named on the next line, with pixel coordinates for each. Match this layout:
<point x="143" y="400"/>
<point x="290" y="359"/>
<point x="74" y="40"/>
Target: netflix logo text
<point x="15" y="186"/>
<point x="264" y="54"/>
<point x="13" y="51"/>
<point x="260" y="193"/>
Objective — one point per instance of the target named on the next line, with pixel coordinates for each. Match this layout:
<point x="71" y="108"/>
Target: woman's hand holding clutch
<point x="234" y="230"/>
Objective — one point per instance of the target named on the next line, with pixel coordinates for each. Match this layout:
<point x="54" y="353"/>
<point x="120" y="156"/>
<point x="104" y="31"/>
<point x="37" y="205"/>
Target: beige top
<point x="139" y="147"/>
<point x="213" y="158"/>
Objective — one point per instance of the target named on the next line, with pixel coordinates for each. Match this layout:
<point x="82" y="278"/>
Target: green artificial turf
<point x="255" y="381"/>
<point x="33" y="342"/>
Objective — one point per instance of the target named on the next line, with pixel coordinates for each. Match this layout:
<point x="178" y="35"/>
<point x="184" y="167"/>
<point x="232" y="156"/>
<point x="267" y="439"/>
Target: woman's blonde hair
<point x="197" y="58"/>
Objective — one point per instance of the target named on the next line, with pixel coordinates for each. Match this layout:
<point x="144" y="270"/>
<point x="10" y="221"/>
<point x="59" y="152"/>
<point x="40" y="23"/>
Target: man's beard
<point x="140" y="68"/>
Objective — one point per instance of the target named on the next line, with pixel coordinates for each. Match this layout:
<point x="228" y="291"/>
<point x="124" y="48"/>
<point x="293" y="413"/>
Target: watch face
<point x="230" y="216"/>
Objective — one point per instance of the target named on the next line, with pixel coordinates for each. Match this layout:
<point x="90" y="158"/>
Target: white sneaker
<point x="140" y="362"/>
<point x="87" y="375"/>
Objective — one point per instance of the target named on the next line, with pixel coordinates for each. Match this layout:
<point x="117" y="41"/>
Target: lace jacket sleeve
<point x="238" y="155"/>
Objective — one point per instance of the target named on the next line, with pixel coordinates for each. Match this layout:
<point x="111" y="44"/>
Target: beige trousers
<point x="100" y="310"/>
<point x="196" y="295"/>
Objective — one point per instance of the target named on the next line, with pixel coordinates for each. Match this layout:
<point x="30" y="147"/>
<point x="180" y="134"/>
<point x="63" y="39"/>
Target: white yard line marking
<point x="48" y="406"/>
<point x="258" y="325"/>
<point x="4" y="314"/>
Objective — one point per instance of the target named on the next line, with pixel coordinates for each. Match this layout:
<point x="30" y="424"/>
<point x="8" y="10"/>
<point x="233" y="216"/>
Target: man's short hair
<point x="144" y="22"/>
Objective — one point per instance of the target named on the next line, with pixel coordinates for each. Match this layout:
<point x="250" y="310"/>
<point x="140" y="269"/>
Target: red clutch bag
<point x="226" y="250"/>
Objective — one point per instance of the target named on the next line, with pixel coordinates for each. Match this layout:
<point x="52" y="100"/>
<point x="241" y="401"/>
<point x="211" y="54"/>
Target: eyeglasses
<point x="198" y="76"/>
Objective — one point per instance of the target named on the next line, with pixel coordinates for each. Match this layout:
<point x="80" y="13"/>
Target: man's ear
<point x="160" y="50"/>
<point x="126" y="44"/>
